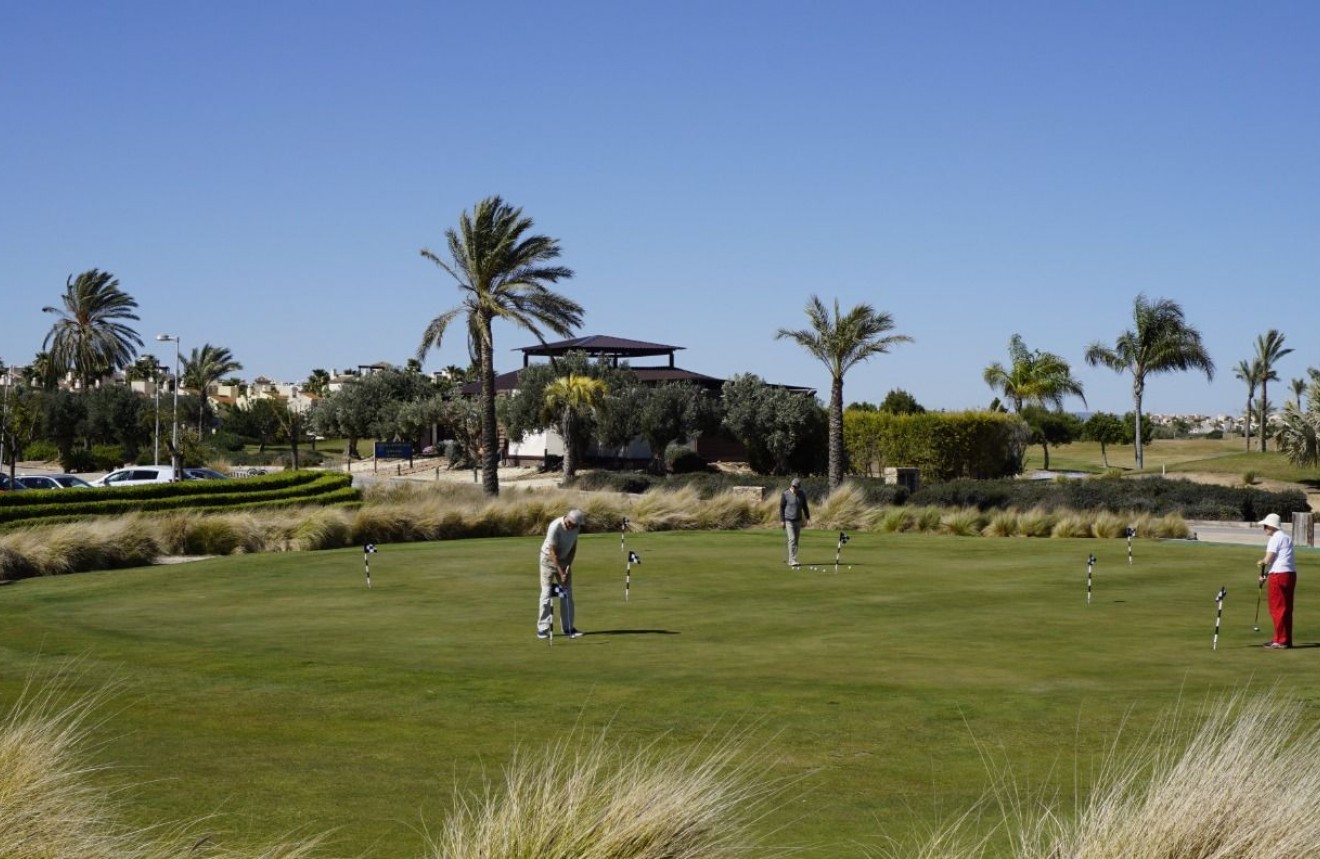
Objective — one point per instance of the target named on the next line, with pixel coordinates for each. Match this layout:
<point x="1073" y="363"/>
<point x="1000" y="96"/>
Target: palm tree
<point x="1298" y="390"/>
<point x="566" y="398"/>
<point x="1161" y="342"/>
<point x="1039" y="378"/>
<point x="90" y="337"/>
<point x="839" y="343"/>
<point x="502" y="274"/>
<point x="1269" y="349"/>
<point x="202" y="369"/>
<point x="1249" y="372"/>
<point x="318" y="383"/>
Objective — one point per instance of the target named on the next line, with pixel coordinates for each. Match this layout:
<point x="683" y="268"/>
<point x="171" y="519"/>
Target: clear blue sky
<point x="262" y="175"/>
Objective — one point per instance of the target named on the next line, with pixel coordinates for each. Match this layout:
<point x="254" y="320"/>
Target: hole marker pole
<point x="633" y="558"/>
<point x="367" y="551"/>
<point x="1090" y="565"/>
<point x="843" y="538"/>
<point x="1130" y="533"/>
<point x="1219" y="600"/>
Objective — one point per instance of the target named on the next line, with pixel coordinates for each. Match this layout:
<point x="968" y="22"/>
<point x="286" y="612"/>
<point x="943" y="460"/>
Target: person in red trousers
<point x="1280" y="569"/>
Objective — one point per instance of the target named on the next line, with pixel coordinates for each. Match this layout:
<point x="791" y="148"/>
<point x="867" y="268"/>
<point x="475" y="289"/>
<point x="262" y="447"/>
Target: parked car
<point x="137" y="475"/>
<point x="6" y="485"/>
<point x="53" y="481"/>
<point x="203" y="474"/>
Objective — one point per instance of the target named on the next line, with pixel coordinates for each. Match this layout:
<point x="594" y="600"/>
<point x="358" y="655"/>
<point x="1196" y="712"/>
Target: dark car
<point x="53" y="481"/>
<point x="203" y="474"/>
<point x="6" y="485"/>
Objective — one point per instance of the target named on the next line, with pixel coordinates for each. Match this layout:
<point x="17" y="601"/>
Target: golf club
<point x="1219" y="612"/>
<point x="1255" y="624"/>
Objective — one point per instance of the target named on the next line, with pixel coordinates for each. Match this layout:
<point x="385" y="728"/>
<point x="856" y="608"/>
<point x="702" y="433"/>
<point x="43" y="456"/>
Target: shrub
<point x="79" y="460"/>
<point x="682" y="460"/>
<point x="40" y="451"/>
<point x="108" y="456"/>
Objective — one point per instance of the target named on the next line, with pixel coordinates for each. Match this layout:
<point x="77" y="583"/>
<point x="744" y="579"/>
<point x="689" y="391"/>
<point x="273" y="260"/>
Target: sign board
<point x="394" y="450"/>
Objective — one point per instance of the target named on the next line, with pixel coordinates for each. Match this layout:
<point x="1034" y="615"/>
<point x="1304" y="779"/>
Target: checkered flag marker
<point x="367" y="551"/>
<point x="633" y="558"/>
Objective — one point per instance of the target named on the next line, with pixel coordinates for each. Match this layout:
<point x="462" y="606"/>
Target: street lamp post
<point x="155" y="386"/>
<point x="174" y="451"/>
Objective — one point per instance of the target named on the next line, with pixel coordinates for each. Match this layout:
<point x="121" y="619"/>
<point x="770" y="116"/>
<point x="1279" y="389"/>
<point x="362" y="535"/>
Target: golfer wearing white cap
<point x="557" y="554"/>
<point x="1280" y="569"/>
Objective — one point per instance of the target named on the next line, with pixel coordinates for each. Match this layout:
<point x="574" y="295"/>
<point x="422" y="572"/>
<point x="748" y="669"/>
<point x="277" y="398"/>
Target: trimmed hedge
<point x="945" y="446"/>
<point x="286" y="487"/>
<point x="1155" y="495"/>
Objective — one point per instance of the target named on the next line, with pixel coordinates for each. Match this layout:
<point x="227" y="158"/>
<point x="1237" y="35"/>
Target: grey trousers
<point x="546" y="617"/>
<point x="792" y="528"/>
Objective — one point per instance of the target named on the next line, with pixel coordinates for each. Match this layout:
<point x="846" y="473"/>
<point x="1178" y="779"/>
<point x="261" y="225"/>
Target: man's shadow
<point x="631" y="632"/>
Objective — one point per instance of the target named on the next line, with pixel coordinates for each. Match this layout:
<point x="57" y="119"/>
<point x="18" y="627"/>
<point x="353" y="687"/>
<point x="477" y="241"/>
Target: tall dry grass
<point x="405" y="511"/>
<point x="588" y="798"/>
<point x="50" y="807"/>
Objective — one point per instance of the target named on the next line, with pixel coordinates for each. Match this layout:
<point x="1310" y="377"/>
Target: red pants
<point x="1282" y="586"/>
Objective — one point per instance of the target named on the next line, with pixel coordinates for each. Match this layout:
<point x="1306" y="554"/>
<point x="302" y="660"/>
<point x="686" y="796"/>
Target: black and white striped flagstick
<point x="633" y="558"/>
<point x="623" y="531"/>
<point x="843" y="538"/>
<point x="1219" y="612"/>
<point x="1090" y="565"/>
<point x="367" y="551"/>
<point x="1131" y="532"/>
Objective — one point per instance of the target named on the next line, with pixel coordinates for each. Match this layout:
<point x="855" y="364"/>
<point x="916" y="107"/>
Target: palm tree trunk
<point x="490" y="436"/>
<point x="836" y="433"/>
<point x="570" y="459"/>
<point x="1138" y="388"/>
<point x="1264" y="404"/>
<point x="1248" y="419"/>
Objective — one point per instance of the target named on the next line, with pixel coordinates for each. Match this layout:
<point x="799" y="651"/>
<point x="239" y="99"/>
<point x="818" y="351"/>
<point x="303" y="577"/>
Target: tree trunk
<point x="1104" y="456"/>
<point x="1264" y="405"/>
<point x="1045" y="447"/>
<point x="1138" y="388"/>
<point x="490" y="436"/>
<point x="1248" y="429"/>
<point x="570" y="459"/>
<point x="836" y="433"/>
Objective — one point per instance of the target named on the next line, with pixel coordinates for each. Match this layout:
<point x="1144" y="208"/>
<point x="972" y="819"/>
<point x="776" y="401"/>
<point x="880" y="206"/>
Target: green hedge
<point x="282" y="488"/>
<point x="1154" y="495"/>
<point x="944" y="445"/>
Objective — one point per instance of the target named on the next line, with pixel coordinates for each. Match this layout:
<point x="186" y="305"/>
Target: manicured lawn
<point x="280" y="694"/>
<point x="1218" y="456"/>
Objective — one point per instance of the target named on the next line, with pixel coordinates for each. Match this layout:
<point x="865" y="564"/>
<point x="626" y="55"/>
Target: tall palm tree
<point x="567" y="398"/>
<point x="840" y="342"/>
<point x="1298" y="391"/>
<point x="1269" y="349"/>
<point x="91" y="337"/>
<point x="1160" y="342"/>
<point x="202" y="369"/>
<point x="1249" y="372"/>
<point x="1038" y="378"/>
<point x="502" y="274"/>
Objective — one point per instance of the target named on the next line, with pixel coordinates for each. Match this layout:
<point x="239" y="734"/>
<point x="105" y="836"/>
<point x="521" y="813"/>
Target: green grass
<point x="1218" y="456"/>
<point x="278" y="693"/>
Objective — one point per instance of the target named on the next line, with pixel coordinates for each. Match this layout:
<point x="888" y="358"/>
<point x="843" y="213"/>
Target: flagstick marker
<point x="368" y="550"/>
<point x="633" y="558"/>
<point x="1090" y="564"/>
<point x="1131" y="532"/>
<point x="843" y="538"/>
<point x="1219" y="612"/>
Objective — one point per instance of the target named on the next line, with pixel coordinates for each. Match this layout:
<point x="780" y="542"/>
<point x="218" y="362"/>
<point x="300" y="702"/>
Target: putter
<point x="1255" y="624"/>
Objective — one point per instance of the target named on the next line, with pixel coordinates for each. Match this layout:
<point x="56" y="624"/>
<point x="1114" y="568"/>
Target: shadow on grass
<point x="631" y="632"/>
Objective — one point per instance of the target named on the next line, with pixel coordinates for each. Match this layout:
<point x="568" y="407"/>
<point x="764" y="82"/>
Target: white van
<point x="136" y="475"/>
